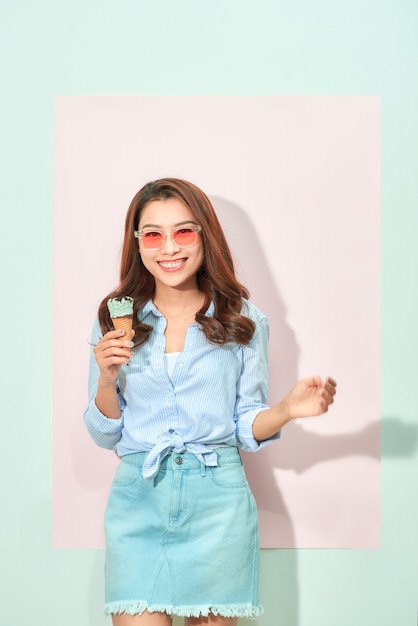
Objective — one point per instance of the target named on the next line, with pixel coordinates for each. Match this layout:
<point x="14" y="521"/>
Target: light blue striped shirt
<point x="211" y="400"/>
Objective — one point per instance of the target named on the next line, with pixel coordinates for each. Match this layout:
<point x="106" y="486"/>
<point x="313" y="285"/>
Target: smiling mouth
<point x="172" y="265"/>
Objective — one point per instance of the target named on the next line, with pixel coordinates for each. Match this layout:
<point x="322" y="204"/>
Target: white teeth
<point x="171" y="264"/>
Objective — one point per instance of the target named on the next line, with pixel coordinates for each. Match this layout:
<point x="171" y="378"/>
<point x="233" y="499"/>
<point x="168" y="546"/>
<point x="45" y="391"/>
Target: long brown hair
<point x="215" y="278"/>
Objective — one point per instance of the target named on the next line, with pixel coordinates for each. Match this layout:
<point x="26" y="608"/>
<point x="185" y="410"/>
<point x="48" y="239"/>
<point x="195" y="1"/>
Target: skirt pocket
<point x="126" y="474"/>
<point x="229" y="476"/>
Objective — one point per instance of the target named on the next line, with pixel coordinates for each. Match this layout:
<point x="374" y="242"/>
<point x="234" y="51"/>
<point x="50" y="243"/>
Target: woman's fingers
<point x="331" y="383"/>
<point x="330" y="389"/>
<point x="113" y="350"/>
<point x="114" y="338"/>
<point x="331" y="386"/>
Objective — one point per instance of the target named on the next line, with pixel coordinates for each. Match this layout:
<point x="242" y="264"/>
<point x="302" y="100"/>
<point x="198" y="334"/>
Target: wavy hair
<point x="215" y="278"/>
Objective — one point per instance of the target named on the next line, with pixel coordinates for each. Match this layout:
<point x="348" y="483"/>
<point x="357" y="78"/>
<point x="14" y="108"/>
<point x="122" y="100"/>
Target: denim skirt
<point x="186" y="542"/>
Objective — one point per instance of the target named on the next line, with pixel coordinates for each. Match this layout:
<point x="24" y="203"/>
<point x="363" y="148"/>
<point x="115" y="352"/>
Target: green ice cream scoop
<point x="120" y="307"/>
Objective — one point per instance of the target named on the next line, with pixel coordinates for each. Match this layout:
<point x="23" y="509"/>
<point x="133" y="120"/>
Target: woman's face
<point x="173" y="265"/>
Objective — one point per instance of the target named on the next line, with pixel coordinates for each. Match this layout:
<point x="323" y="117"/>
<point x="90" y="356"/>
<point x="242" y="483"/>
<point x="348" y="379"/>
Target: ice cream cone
<point x="121" y="312"/>
<point x="125" y="324"/>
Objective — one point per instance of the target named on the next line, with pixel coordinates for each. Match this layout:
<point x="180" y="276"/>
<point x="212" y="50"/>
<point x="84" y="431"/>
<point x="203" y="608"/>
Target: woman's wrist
<point x="105" y="383"/>
<point x="283" y="412"/>
<point x="270" y="421"/>
<point x="107" y="400"/>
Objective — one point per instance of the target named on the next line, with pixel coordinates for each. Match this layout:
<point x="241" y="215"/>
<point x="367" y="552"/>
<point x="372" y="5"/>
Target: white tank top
<point x="170" y="359"/>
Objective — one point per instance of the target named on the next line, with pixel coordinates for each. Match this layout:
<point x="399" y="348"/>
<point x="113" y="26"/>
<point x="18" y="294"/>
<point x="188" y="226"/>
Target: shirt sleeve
<point x="104" y="431"/>
<point x="253" y="388"/>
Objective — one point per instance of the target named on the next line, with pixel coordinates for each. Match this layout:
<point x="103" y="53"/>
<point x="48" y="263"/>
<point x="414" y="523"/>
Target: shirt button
<point x="171" y="431"/>
<point x="179" y="460"/>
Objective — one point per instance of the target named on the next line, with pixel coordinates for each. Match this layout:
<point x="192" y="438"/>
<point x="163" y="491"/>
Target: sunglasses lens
<point x="152" y="239"/>
<point x="184" y="237"/>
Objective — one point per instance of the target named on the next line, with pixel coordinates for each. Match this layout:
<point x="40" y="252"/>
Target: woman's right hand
<point x="111" y="352"/>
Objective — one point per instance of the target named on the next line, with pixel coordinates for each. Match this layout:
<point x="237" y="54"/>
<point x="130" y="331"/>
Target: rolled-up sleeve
<point x="104" y="431"/>
<point x="253" y="387"/>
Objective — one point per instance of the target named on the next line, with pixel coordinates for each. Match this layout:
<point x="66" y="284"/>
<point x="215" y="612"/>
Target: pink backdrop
<point x="295" y="181"/>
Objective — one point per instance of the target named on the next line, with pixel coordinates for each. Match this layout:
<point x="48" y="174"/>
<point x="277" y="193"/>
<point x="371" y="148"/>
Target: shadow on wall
<point x="303" y="448"/>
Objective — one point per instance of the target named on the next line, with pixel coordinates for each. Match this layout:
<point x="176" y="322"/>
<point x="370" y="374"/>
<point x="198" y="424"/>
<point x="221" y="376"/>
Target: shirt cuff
<point x="104" y="424"/>
<point x="245" y="435"/>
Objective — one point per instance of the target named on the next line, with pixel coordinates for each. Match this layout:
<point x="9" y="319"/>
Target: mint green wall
<point x="200" y="47"/>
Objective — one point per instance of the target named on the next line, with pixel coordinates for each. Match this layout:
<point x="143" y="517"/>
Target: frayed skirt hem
<point x="137" y="608"/>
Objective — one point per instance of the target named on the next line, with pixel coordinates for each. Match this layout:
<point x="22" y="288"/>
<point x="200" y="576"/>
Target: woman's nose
<point x="170" y="245"/>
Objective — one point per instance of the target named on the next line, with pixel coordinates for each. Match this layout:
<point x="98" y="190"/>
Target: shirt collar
<point x="149" y="307"/>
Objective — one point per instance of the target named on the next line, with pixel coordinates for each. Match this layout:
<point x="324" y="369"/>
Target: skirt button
<point x="179" y="460"/>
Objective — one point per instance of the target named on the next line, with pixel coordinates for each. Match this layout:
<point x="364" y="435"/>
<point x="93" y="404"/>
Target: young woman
<point x="176" y="401"/>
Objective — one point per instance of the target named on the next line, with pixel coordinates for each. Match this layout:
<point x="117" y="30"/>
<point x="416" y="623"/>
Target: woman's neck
<point x="176" y="301"/>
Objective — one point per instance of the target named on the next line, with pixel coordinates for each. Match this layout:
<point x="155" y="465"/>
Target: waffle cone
<point x="123" y="323"/>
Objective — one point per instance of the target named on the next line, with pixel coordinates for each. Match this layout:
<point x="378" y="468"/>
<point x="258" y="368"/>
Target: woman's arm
<point x="107" y="400"/>
<point x="103" y="416"/>
<point x="110" y="352"/>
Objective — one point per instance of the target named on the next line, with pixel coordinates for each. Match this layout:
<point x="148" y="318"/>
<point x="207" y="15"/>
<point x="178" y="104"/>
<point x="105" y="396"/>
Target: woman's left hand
<point x="311" y="396"/>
